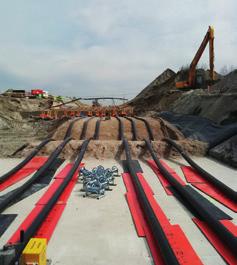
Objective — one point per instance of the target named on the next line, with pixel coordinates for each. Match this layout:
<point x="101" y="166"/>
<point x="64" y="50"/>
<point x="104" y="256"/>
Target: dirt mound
<point x="227" y="85"/>
<point x="162" y="95"/>
<point x="109" y="129"/>
<point x="22" y="104"/>
<point x="108" y="145"/>
<point x="220" y="108"/>
<point x="158" y="95"/>
<point x="11" y="109"/>
<point x="218" y="104"/>
<point x="17" y="128"/>
<point x="114" y="149"/>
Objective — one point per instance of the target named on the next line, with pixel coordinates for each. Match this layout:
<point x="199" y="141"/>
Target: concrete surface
<point x="102" y="232"/>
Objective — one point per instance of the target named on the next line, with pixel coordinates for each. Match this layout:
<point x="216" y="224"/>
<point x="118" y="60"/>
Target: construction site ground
<point x="101" y="231"/>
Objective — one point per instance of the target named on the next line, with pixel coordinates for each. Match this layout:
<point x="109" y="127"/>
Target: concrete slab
<point x="98" y="231"/>
<point x="101" y="231"/>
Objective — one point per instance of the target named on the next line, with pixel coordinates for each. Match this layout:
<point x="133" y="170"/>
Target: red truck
<point x="35" y="92"/>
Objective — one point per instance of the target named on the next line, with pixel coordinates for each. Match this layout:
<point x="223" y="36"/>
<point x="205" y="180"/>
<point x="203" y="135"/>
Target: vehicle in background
<point x="39" y="93"/>
<point x="20" y="93"/>
<point x="16" y="93"/>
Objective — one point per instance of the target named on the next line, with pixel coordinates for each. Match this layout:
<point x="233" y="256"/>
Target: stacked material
<point x="97" y="181"/>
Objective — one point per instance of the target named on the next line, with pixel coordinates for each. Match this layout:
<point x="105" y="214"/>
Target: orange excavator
<point x="192" y="78"/>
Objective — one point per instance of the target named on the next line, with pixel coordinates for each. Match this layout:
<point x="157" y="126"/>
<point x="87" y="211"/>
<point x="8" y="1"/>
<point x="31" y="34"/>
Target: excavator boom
<point x="209" y="38"/>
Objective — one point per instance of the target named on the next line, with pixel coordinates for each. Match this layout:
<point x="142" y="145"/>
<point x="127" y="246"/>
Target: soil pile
<point x="161" y="93"/>
<point x="158" y="95"/>
<point x="108" y="145"/>
<point x="15" y="129"/>
<point x="227" y="85"/>
<point x="109" y="129"/>
<point x="12" y="109"/>
<point x="106" y="149"/>
<point x="219" y="104"/>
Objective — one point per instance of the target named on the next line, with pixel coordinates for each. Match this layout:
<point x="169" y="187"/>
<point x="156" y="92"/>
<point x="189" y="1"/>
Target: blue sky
<point x="107" y="47"/>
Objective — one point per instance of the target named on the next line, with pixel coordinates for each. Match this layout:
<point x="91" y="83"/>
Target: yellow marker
<point x="34" y="252"/>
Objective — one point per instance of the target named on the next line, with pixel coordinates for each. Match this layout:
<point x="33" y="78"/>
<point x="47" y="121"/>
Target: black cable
<point x="148" y="127"/>
<point x="84" y="129"/>
<point x="40" y="173"/>
<point x="134" y="129"/>
<point x="24" y="162"/>
<point x="69" y="129"/>
<point x="217" y="183"/>
<point x="97" y="130"/>
<point x="31" y="230"/>
<point x="156" y="228"/>
<point x="221" y="231"/>
<point x="121" y="128"/>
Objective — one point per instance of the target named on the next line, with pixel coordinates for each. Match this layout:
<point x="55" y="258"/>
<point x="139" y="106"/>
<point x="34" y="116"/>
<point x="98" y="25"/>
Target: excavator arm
<point x="209" y="38"/>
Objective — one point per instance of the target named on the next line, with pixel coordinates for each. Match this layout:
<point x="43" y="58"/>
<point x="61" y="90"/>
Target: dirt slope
<point x="108" y="145"/>
<point x="158" y="95"/>
<point x="17" y="130"/>
<point x="218" y="105"/>
<point x="227" y="84"/>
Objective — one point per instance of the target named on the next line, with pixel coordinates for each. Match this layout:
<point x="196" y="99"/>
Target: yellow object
<point x="211" y="32"/>
<point x="34" y="252"/>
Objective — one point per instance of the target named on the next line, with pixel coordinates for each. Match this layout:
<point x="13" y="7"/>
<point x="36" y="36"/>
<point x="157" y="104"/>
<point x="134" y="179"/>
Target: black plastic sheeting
<point x="226" y="151"/>
<point x="221" y="139"/>
<point x="5" y="221"/>
<point x="201" y="129"/>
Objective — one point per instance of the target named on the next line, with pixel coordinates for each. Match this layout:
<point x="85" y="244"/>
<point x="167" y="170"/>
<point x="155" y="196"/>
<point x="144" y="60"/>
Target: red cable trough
<point x="177" y="239"/>
<point x="34" y="164"/>
<point x="208" y="188"/>
<point x="161" y="178"/>
<point x="221" y="248"/>
<point x="47" y="227"/>
<point x="192" y="177"/>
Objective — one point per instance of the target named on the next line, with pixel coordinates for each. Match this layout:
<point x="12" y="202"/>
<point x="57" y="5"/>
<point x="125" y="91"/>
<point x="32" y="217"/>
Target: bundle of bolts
<point x="97" y="181"/>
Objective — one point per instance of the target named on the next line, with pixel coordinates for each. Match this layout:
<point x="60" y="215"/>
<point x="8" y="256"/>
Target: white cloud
<point x="107" y="46"/>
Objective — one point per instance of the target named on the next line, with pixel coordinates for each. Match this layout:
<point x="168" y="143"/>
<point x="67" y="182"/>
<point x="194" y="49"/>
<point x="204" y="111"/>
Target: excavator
<point x="194" y="80"/>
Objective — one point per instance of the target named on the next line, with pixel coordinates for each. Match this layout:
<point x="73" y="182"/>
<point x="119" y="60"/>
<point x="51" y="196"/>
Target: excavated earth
<point x="108" y="144"/>
<point x="18" y="127"/>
